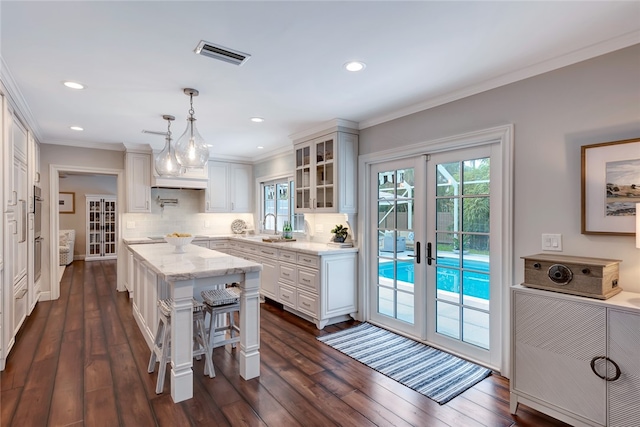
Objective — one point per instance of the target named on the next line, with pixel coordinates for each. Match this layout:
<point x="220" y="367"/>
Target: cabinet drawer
<point x="306" y="260"/>
<point x="218" y="246"/>
<point x="288" y="272"/>
<point x="308" y="303"/>
<point x="268" y="252"/>
<point x="287" y="256"/>
<point x="286" y="295"/>
<point x="201" y="243"/>
<point x="308" y="279"/>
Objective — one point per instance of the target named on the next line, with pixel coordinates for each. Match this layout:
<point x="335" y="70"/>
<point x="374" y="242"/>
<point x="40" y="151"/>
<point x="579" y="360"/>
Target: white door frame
<point x="502" y="135"/>
<point x="54" y="223"/>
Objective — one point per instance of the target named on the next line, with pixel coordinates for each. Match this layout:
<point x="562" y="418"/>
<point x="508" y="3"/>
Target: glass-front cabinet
<point x="101" y="227"/>
<point x="326" y="174"/>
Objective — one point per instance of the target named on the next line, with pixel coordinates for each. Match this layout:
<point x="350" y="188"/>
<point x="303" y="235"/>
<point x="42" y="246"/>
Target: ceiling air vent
<point x="222" y="53"/>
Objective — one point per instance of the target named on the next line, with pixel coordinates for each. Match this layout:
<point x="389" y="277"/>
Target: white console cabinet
<point x="575" y="358"/>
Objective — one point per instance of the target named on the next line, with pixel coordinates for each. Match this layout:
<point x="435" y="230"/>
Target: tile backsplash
<point x="186" y="217"/>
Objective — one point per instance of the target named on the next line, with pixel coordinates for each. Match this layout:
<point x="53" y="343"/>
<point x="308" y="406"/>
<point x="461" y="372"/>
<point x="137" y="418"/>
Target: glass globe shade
<point x="191" y="150"/>
<point x="166" y="163"/>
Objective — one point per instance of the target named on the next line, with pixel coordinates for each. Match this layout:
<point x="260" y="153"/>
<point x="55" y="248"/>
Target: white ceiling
<point x="136" y="57"/>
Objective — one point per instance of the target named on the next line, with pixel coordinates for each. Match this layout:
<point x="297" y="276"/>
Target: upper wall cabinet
<point x="138" y="182"/>
<point x="326" y="174"/>
<point x="230" y="188"/>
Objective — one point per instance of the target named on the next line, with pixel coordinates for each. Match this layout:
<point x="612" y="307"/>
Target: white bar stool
<point x="218" y="302"/>
<point x="162" y="344"/>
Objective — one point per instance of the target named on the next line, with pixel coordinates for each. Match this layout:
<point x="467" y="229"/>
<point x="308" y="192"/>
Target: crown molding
<point x="14" y="95"/>
<point x="328" y="126"/>
<point x="611" y="45"/>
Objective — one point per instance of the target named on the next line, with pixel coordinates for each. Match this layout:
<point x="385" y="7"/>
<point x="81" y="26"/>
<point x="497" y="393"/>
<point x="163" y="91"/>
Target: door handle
<point x="416" y="253"/>
<point x="430" y="259"/>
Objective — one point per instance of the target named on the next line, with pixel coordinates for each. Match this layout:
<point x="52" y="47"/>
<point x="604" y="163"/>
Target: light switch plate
<point x="131" y="224"/>
<point x="552" y="242"/>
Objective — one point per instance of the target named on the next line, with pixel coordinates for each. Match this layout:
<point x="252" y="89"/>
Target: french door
<point x="434" y="233"/>
<point x="397" y="222"/>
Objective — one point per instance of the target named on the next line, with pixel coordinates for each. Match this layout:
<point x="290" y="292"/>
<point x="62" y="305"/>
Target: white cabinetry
<point x="138" y="182"/>
<point x="326" y="174"/>
<point x="230" y="188"/>
<point x="567" y="352"/>
<point x="101" y="227"/>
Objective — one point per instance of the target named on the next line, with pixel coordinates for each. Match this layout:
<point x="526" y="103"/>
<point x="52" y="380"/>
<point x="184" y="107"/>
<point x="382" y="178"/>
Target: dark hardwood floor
<point x="81" y="360"/>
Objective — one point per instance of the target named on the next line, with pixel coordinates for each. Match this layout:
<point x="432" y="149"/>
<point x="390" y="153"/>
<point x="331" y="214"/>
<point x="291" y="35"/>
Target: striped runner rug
<point x="438" y="375"/>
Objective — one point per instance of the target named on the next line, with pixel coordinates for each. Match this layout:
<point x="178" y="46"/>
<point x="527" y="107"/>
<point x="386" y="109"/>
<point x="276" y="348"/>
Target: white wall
<point x="554" y="115"/>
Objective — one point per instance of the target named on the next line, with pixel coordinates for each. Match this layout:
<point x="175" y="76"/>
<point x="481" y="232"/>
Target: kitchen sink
<point x="277" y="240"/>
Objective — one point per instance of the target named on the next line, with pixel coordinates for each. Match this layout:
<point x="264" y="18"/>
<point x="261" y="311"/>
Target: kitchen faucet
<point x="275" y="223"/>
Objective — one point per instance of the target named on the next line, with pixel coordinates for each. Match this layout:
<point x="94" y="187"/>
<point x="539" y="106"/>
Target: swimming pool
<point x="476" y="282"/>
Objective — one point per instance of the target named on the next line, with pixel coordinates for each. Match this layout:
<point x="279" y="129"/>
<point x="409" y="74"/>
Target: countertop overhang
<point x="311" y="248"/>
<point x="195" y="263"/>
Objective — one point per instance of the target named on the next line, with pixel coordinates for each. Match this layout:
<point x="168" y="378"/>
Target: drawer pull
<point x="306" y="259"/>
<point x="286" y="274"/>
<point x="306" y="280"/>
<point x="306" y="304"/>
<point x="21" y="294"/>
<point x="285" y="296"/>
<point x="606" y="359"/>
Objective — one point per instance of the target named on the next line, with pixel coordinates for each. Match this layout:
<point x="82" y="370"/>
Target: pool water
<point x="476" y="282"/>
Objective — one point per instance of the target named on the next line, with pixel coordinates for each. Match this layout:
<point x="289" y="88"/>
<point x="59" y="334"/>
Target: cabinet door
<point x="138" y="180"/>
<point x="624" y="350"/>
<point x="109" y="228"/>
<point x="217" y="196"/>
<point x="241" y="188"/>
<point x="269" y="278"/>
<point x="304" y="187"/>
<point x="554" y="341"/>
<point x="324" y="175"/>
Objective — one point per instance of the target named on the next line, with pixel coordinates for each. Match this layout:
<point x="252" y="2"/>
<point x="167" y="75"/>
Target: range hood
<point x="194" y="178"/>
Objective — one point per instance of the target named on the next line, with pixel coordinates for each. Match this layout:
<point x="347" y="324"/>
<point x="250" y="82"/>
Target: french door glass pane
<point x="395" y="244"/>
<point x="462" y="250"/>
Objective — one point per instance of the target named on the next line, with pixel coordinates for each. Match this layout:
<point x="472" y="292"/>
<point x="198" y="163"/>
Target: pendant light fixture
<point x="166" y="163"/>
<point x="191" y="150"/>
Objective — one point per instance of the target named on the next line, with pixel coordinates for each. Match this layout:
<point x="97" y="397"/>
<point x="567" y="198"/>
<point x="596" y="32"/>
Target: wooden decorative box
<point x="587" y="277"/>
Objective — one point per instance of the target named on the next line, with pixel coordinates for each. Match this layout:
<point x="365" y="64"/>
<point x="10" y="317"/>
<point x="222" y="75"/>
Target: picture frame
<point x="67" y="202"/>
<point x="610" y="187"/>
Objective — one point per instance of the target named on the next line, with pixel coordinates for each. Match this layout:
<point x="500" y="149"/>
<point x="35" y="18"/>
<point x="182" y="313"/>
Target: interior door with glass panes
<point x="101" y="228"/>
<point x="397" y="267"/>
<point x="461" y="233"/>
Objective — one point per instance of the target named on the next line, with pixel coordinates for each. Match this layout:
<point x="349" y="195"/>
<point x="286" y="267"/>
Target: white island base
<point x="160" y="273"/>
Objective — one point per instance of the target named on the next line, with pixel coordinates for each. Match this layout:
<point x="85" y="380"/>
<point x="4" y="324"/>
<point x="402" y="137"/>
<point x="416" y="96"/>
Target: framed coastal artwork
<point x="610" y="187"/>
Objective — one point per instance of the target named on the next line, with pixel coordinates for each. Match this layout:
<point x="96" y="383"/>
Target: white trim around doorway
<point x="54" y="223"/>
<point x="500" y="134"/>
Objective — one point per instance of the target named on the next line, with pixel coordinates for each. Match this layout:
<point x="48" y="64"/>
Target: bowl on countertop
<point x="179" y="242"/>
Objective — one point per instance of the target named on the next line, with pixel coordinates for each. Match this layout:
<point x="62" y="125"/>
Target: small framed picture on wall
<point x="67" y="202"/>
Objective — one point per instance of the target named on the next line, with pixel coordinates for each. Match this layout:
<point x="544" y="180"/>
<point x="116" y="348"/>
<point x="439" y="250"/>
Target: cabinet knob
<point x="537" y="266"/>
<point x="586" y="271"/>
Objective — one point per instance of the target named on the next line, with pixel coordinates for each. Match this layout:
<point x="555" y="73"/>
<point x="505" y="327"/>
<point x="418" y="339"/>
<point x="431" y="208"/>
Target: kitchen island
<point x="159" y="272"/>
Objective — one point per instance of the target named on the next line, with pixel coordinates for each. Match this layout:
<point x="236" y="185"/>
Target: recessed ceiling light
<point x="76" y="128"/>
<point x="257" y="119"/>
<point x="260" y="147"/>
<point x="355" y="66"/>
<point x="73" y="85"/>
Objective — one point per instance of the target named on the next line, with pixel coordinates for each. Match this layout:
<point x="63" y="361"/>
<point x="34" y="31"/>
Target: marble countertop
<point x="195" y="263"/>
<point x="311" y="248"/>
